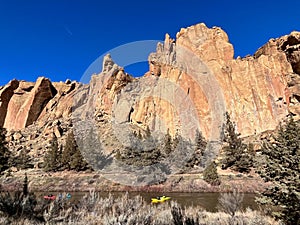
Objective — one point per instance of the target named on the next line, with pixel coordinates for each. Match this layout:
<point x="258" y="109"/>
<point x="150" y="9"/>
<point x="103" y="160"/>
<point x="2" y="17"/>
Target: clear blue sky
<point x="59" y="39"/>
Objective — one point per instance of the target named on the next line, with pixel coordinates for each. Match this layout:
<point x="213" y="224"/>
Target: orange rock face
<point x="193" y="78"/>
<point x="257" y="91"/>
<point x="5" y="95"/>
<point x="24" y="103"/>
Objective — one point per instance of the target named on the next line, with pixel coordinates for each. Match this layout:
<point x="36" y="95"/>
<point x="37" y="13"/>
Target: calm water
<point x="208" y="201"/>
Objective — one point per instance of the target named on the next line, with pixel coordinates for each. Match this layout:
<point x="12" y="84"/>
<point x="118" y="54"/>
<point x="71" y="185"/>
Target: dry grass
<point x="92" y="209"/>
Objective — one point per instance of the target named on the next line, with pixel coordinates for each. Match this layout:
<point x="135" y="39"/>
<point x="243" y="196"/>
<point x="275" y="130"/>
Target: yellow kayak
<point x="160" y="199"/>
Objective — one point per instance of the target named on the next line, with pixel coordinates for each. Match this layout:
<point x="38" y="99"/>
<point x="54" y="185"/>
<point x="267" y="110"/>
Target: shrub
<point x="93" y="209"/>
<point x="177" y="215"/>
<point x="230" y="202"/>
<point x="21" y="205"/>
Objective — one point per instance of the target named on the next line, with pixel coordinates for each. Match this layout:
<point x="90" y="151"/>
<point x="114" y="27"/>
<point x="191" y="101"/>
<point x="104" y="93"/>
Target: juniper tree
<point x="281" y="166"/>
<point x="201" y="143"/>
<point x="210" y="174"/>
<point x="71" y="156"/>
<point x="200" y="147"/>
<point x="69" y="150"/>
<point x="197" y="157"/>
<point x="52" y="157"/>
<point x="236" y="154"/>
<point x="78" y="163"/>
<point x="175" y="141"/>
<point x="167" y="146"/>
<point x="148" y="132"/>
<point x="21" y="161"/>
<point x="25" y="185"/>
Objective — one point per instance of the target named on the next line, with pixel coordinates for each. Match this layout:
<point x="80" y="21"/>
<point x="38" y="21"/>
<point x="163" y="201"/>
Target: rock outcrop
<point x="195" y="73"/>
<point x="258" y="91"/>
<point x="25" y="103"/>
<point x="6" y="93"/>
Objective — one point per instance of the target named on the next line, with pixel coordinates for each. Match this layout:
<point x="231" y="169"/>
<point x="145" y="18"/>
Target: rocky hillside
<point x="192" y="81"/>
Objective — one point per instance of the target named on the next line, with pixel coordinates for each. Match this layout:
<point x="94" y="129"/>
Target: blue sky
<point x="59" y="39"/>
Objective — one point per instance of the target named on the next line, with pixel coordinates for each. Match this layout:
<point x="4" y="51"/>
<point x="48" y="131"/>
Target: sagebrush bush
<point x="230" y="202"/>
<point x="94" y="210"/>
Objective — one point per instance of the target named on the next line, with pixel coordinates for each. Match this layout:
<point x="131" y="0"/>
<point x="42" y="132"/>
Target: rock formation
<point x="24" y="103"/>
<point x="196" y="74"/>
<point x="258" y="91"/>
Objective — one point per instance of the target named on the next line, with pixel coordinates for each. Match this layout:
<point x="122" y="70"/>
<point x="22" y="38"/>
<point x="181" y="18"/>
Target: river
<point x="208" y="201"/>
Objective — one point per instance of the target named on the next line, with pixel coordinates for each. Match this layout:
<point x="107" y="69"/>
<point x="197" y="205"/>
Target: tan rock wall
<point x="255" y="89"/>
<point x="258" y="91"/>
<point x="30" y="102"/>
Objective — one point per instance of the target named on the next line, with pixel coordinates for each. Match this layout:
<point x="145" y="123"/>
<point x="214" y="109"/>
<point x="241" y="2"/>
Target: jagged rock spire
<point x="108" y="64"/>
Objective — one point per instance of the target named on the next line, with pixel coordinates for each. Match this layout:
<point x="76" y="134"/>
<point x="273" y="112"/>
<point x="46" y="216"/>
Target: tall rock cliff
<point x="194" y="76"/>
<point x="258" y="91"/>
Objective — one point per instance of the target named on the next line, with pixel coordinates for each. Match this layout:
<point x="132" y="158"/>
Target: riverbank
<point x="40" y="181"/>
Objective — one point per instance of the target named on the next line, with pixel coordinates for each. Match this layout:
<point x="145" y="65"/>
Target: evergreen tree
<point x="210" y="174"/>
<point x="52" y="157"/>
<point x="167" y="147"/>
<point x="236" y="153"/>
<point x="25" y="185"/>
<point x="78" y="163"/>
<point x="246" y="160"/>
<point x="200" y="147"/>
<point x="176" y="140"/>
<point x="139" y="135"/>
<point x="281" y="166"/>
<point x="21" y="161"/>
<point x="201" y="143"/>
<point x="71" y="156"/>
<point x="198" y="155"/>
<point x="4" y="152"/>
<point x="69" y="150"/>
